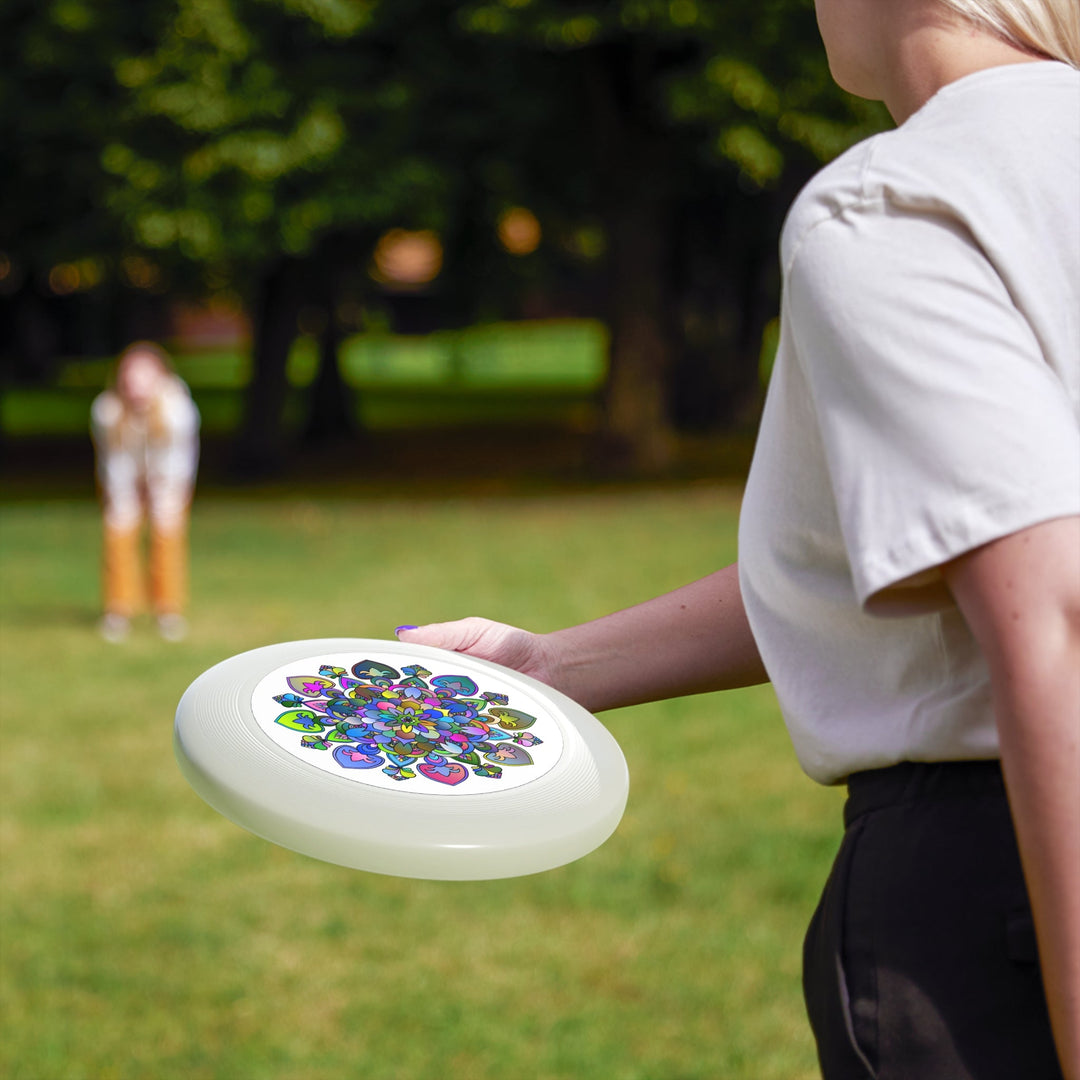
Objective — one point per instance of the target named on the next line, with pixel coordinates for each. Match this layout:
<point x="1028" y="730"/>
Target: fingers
<point x="461" y="635"/>
<point x="438" y="635"/>
<point x="482" y="638"/>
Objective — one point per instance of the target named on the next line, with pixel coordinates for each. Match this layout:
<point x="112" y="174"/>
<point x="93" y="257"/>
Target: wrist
<point x="556" y="664"/>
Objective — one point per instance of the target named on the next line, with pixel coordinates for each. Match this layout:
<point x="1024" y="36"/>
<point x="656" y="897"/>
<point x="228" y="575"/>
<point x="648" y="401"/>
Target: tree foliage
<point x="264" y="145"/>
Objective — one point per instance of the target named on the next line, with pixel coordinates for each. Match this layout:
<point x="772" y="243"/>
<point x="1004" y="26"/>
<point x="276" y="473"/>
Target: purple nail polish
<point x="398" y="629"/>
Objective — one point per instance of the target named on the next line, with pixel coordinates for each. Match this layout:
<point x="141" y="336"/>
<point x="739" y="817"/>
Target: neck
<point x="934" y="49"/>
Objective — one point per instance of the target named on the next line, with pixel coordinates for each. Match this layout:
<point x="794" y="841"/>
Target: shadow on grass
<point x="420" y="463"/>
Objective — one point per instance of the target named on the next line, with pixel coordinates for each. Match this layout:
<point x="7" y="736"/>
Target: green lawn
<point x="146" y="937"/>
<point x="546" y="370"/>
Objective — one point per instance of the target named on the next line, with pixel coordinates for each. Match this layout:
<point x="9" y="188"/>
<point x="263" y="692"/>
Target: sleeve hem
<point x="907" y="579"/>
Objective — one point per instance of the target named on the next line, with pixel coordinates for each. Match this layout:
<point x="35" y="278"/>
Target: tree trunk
<point x="261" y="446"/>
<point x="35" y="337"/>
<point x="636" y="417"/>
<point x="634" y="196"/>
<point x="728" y="284"/>
<point x="331" y="415"/>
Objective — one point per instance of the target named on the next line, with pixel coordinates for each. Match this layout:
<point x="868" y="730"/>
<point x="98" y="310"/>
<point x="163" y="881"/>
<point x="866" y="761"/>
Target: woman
<point x="909" y="574"/>
<point x="145" y="430"/>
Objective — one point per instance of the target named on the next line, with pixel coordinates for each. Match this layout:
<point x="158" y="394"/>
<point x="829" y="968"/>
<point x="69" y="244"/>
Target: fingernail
<point x="398" y="629"/>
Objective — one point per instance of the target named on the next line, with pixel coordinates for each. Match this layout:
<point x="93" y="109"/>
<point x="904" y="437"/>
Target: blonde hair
<point x="1048" y="27"/>
<point x="157" y="427"/>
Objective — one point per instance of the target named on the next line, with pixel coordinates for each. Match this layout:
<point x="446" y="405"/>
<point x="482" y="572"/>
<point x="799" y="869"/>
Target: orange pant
<point x="122" y="578"/>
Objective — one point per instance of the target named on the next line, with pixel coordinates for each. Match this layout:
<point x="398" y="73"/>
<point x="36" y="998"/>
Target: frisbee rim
<point x="272" y="792"/>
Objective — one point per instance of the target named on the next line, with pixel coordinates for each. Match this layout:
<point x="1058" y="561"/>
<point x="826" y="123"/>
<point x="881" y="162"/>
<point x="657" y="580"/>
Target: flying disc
<point x="400" y="759"/>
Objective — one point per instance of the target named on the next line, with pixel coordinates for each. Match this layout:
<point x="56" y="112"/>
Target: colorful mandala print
<point x="408" y="723"/>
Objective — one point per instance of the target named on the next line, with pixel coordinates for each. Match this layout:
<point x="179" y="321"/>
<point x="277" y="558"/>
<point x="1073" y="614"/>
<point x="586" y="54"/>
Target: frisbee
<point x="400" y="759"/>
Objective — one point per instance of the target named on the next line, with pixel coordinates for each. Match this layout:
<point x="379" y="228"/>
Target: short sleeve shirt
<point x="925" y="401"/>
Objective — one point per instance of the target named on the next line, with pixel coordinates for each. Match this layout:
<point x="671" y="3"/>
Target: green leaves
<point x="336" y="18"/>
<point x="753" y="152"/>
<point x="227" y="132"/>
<point x="264" y="154"/>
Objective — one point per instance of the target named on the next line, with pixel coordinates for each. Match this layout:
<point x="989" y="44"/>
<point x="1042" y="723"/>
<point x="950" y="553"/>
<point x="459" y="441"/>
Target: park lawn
<point x="538" y="371"/>
<point x="147" y="937"/>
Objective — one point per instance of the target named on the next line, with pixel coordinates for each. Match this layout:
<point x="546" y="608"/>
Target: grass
<point x="145" y="936"/>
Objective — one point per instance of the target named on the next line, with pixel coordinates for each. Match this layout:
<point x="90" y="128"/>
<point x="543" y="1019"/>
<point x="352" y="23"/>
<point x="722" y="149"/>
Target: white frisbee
<point x="400" y="759"/>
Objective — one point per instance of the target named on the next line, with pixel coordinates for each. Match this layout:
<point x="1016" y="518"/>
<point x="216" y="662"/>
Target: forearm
<point x="690" y="641"/>
<point x="1021" y="598"/>
<point x="1039" y="727"/>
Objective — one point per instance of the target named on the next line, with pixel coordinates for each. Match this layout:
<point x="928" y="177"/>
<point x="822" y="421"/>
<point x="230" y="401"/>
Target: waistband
<point x="912" y="781"/>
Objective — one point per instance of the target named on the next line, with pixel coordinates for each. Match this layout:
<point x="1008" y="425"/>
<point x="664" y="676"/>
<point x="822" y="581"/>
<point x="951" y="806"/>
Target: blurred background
<point x="348" y="216"/>
<point x="477" y="302"/>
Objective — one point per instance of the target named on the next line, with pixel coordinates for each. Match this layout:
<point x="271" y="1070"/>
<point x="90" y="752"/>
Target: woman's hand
<point x="502" y="644"/>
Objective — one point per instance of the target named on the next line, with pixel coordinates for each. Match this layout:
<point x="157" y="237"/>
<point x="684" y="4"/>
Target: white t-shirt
<point x="143" y="464"/>
<point x="925" y="400"/>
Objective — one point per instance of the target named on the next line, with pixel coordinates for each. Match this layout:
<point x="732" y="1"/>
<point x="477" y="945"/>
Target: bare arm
<point x="1021" y="598"/>
<point x="689" y="641"/>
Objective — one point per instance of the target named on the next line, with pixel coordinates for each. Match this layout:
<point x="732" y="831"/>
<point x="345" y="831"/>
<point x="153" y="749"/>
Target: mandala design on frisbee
<point x="406" y="728"/>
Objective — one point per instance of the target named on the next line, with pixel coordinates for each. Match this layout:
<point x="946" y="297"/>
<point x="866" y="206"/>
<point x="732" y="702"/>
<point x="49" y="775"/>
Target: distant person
<point x="146" y="437"/>
<point x="909" y="549"/>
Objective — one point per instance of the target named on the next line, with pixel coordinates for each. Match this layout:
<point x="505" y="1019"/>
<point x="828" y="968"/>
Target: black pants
<point x="920" y="961"/>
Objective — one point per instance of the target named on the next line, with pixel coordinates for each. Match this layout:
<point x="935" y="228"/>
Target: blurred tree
<point x="59" y="106"/>
<point x="263" y="146"/>
<point x="692" y="124"/>
<point x="287" y="149"/>
<point x="296" y="133"/>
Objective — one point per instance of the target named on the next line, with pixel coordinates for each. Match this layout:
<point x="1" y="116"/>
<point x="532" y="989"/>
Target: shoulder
<point x="986" y="153"/>
<point x="832" y="192"/>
